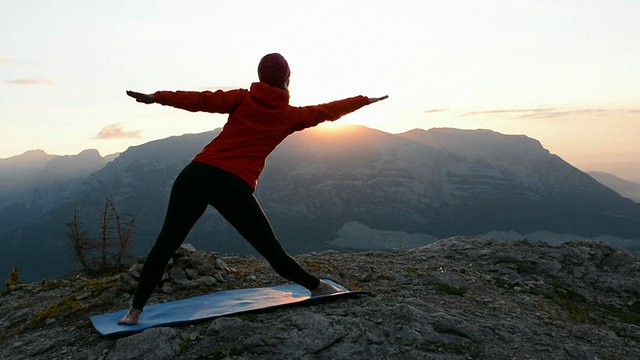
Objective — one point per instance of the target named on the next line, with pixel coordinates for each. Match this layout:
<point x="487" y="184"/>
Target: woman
<point x="225" y="173"/>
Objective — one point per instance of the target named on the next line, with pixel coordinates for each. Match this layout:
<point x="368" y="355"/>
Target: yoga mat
<point x="212" y="305"/>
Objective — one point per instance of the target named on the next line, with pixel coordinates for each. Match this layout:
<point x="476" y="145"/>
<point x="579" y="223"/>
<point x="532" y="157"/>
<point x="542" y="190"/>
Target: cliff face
<point x="458" y="298"/>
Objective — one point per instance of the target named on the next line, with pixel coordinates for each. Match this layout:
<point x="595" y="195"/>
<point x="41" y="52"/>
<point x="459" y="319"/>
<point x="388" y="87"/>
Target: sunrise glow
<point x="564" y="73"/>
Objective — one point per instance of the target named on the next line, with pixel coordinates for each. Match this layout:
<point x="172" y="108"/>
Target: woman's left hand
<point x="372" y="100"/>
<point x="140" y="97"/>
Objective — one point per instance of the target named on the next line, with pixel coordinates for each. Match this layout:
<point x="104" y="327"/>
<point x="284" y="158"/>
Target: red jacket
<point x="259" y="119"/>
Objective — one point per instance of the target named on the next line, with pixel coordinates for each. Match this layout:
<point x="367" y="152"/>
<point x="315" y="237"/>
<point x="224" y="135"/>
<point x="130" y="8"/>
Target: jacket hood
<point x="269" y="97"/>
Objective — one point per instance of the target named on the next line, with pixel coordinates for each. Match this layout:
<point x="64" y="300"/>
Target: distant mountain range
<point x="33" y="183"/>
<point x="623" y="187"/>
<point x="356" y="188"/>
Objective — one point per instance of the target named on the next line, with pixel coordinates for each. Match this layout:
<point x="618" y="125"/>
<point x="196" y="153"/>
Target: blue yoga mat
<point x="211" y="306"/>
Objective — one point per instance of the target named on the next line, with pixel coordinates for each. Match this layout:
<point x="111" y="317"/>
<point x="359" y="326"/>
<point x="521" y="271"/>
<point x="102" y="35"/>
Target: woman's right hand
<point x="140" y="97"/>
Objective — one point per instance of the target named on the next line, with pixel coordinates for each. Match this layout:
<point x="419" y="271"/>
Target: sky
<point x="563" y="72"/>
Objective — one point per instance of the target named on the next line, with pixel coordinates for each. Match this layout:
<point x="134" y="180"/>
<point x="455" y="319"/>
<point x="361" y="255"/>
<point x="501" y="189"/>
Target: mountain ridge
<point x="624" y="187"/>
<point x="33" y="183"/>
<point x="319" y="180"/>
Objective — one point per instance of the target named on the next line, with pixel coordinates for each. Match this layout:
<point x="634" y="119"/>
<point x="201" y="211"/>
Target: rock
<point x="184" y="271"/>
<point x="450" y="279"/>
<point x="135" y="270"/>
<point x="184" y="284"/>
<point x="84" y="296"/>
<point x="458" y="298"/>
<point x="177" y="274"/>
<point x="207" y="269"/>
<point x="221" y="265"/>
<point x="185" y="250"/>
<point x="192" y="273"/>
<point x="157" y="343"/>
<point x="206" y="281"/>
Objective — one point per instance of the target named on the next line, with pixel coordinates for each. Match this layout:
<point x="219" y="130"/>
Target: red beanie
<point x="273" y="70"/>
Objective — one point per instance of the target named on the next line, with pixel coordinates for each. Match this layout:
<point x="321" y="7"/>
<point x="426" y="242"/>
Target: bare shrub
<point x="109" y="251"/>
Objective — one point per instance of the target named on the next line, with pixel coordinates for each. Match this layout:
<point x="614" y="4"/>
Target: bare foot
<point x="131" y="317"/>
<point x="325" y="288"/>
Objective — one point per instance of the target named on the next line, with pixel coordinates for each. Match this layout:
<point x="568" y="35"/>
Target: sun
<point x="333" y="126"/>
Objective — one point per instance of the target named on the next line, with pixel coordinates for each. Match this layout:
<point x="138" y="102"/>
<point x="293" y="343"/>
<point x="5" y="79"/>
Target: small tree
<point x="108" y="252"/>
<point x="14" y="278"/>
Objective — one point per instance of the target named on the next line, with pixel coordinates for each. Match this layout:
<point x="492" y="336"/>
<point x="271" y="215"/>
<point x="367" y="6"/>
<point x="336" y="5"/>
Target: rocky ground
<point x="459" y="298"/>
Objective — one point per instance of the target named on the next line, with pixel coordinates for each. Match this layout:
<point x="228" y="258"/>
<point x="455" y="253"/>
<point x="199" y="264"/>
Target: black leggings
<point x="197" y="186"/>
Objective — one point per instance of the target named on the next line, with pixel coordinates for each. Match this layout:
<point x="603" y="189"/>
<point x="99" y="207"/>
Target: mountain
<point x="14" y="171"/>
<point x="509" y="169"/>
<point x="628" y="170"/>
<point x="34" y="182"/>
<point x="625" y="188"/>
<point x="37" y="169"/>
<point x="321" y="188"/>
<point x="455" y="299"/>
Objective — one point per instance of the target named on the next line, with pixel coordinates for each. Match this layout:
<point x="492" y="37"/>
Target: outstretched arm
<point x="142" y="98"/>
<point x="313" y="115"/>
<point x="219" y="101"/>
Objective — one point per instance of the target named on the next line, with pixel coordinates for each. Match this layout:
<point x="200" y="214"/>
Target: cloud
<point x="9" y="61"/>
<point x="549" y="113"/>
<point x="24" y="81"/>
<point x="521" y="112"/>
<point x="115" y="131"/>
<point x="431" y="111"/>
<point x="31" y="81"/>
